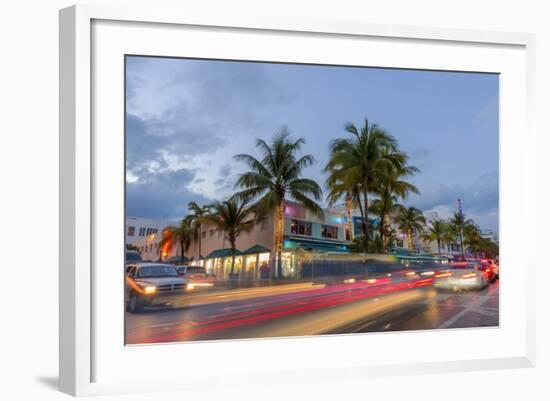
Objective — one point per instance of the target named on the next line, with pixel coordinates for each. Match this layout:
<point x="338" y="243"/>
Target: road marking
<point x="473" y="304"/>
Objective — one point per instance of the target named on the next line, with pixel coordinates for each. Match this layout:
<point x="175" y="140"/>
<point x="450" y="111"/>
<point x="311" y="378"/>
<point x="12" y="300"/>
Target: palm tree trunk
<point x="383" y="215"/>
<point x="350" y="223"/>
<point x="233" y="249"/>
<point x="279" y="238"/>
<point x="439" y="248"/>
<point x="366" y="219"/>
<point x="182" y="252"/>
<point x="200" y="242"/>
<point x="362" y="216"/>
<point x="410" y="239"/>
<point x="461" y="241"/>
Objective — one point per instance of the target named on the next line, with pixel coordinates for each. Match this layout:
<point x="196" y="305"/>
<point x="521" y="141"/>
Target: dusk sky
<point x="186" y="119"/>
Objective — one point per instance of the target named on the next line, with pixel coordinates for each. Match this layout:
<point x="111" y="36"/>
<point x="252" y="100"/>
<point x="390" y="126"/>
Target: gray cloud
<point x="200" y="109"/>
<point x="161" y="195"/>
<point x="147" y="139"/>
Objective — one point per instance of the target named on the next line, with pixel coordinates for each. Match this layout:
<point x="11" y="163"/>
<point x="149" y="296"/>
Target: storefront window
<point x="288" y="264"/>
<point x="209" y="266"/>
<point x="238" y="264"/>
<point x="218" y="267"/>
<point x="250" y="264"/>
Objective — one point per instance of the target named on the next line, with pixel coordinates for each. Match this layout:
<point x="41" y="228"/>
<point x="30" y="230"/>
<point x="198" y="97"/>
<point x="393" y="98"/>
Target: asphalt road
<point x="307" y="309"/>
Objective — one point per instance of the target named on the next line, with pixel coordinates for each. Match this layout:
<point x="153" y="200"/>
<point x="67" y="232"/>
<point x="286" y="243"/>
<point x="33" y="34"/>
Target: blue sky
<point x="187" y="118"/>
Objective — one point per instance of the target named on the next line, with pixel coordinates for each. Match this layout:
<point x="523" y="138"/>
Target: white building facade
<point x="138" y="228"/>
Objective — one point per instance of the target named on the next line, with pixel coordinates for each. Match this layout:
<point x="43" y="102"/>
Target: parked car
<point x="461" y="276"/>
<point x="133" y="257"/>
<point x="197" y="276"/>
<point x="152" y="284"/>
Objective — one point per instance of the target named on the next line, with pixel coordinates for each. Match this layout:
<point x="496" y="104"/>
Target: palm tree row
<point x="366" y="169"/>
<point x="367" y="164"/>
<point x="468" y="234"/>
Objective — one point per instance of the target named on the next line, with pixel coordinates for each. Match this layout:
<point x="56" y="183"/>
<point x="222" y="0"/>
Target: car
<point x="493" y="265"/>
<point x="461" y="276"/>
<point x="489" y="269"/>
<point x="152" y="284"/>
<point x="133" y="257"/>
<point x="197" y="276"/>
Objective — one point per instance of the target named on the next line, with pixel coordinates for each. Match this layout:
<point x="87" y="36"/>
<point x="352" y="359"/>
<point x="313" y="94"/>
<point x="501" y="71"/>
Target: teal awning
<point x="313" y="245"/>
<point x="415" y="257"/>
<point x="256" y="249"/>
<point x="223" y="253"/>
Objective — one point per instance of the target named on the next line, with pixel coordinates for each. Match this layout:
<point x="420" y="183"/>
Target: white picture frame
<point x="80" y="207"/>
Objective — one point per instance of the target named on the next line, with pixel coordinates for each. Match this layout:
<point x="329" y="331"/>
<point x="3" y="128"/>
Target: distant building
<point x="431" y="217"/>
<point x="139" y="227"/>
<point x="490" y="235"/>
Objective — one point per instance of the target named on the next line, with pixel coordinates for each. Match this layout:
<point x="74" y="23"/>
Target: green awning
<point x="223" y="253"/>
<point x="256" y="249"/>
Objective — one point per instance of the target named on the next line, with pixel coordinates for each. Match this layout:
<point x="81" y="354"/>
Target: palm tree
<point x="410" y="220"/>
<point x="232" y="217"/>
<point x="436" y="232"/>
<point x="165" y="242"/>
<point x="450" y="235"/>
<point x="356" y="164"/>
<point x="181" y="234"/>
<point x="383" y="208"/>
<point x="276" y="177"/>
<point x="195" y="219"/>
<point x="391" y="184"/>
<point x="458" y="222"/>
<point x="472" y="238"/>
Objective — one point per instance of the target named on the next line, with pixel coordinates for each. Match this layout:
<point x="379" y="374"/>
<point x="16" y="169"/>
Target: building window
<point x="348" y="236"/>
<point x="131" y="231"/>
<point x="212" y="232"/>
<point x="300" y="227"/>
<point x="329" y="232"/>
<point x="204" y="234"/>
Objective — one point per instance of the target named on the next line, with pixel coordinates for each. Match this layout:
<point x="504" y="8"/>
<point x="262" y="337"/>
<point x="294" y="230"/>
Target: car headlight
<point x="151" y="289"/>
<point x="190" y="286"/>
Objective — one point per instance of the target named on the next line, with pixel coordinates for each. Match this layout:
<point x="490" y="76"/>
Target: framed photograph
<point x="295" y="200"/>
